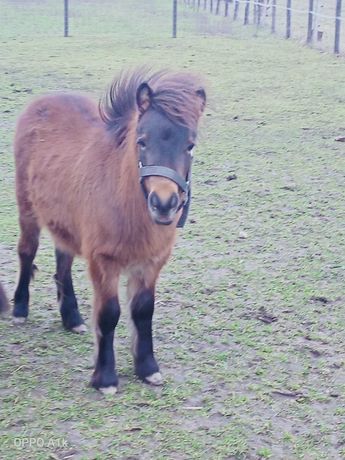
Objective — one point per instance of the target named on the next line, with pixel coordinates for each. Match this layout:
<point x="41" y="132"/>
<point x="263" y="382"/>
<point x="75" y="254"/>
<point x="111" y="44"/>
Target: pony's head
<point x="166" y="135"/>
<point x="168" y="107"/>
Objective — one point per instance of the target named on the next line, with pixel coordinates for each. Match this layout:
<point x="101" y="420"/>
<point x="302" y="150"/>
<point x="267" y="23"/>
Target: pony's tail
<point x="4" y="305"/>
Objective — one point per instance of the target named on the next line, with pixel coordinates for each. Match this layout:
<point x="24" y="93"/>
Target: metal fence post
<point x="174" y="34"/>
<point x="288" y="18"/>
<point x="66" y="18"/>
<point x="337" y="27"/>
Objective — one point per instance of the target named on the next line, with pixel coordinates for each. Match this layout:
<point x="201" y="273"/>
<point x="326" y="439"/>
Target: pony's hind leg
<point x="70" y="315"/>
<point x="3" y="301"/>
<point x="27" y="248"/>
<point x="105" y="276"/>
<point x="141" y="292"/>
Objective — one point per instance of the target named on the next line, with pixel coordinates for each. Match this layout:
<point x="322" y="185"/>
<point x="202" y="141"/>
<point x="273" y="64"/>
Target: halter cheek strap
<point x="185" y="185"/>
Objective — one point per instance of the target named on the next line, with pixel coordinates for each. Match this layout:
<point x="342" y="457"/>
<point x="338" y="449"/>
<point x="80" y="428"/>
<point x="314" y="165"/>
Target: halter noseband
<point x="184" y="185"/>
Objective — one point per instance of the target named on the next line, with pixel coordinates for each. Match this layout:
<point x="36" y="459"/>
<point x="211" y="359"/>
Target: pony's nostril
<point x="154" y="201"/>
<point x="173" y="201"/>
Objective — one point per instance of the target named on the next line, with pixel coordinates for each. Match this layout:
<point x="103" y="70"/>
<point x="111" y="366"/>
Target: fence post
<point x="255" y="12"/>
<point x="218" y="6"/>
<point x="237" y="5"/>
<point x="246" y="12"/>
<point x="205" y="4"/>
<point x="337" y="27"/>
<point x="174" y="32"/>
<point x="199" y="4"/>
<point x="259" y="10"/>
<point x="274" y="12"/>
<point x="310" y="22"/>
<point x="211" y="6"/>
<point x="66" y="18"/>
<point x="288" y="18"/>
<point x="226" y="11"/>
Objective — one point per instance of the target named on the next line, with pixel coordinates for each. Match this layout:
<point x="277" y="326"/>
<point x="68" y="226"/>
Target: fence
<point x="316" y="22"/>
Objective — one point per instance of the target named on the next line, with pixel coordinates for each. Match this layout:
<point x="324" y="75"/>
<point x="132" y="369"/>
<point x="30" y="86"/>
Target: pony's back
<point x="54" y="136"/>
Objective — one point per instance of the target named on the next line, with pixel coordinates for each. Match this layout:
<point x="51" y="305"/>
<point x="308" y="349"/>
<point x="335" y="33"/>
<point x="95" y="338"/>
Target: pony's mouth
<point x="163" y="221"/>
<point x="159" y="218"/>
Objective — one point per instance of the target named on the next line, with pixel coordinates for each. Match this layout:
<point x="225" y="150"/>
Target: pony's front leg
<point x="105" y="276"/>
<point x="141" y="292"/>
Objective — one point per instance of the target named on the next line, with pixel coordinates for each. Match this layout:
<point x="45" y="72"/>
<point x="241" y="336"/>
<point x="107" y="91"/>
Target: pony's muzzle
<point x="163" y="210"/>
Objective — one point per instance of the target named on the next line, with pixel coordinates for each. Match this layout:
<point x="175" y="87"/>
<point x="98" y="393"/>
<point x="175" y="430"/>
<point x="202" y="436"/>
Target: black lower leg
<point x="142" y="307"/>
<point x="65" y="292"/>
<point x="21" y="296"/>
<point x="105" y="374"/>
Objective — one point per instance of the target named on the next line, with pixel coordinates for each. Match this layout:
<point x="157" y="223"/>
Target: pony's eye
<point x="141" y="143"/>
<point x="190" y="148"/>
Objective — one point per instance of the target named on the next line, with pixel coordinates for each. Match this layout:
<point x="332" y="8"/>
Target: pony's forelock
<point x="175" y="94"/>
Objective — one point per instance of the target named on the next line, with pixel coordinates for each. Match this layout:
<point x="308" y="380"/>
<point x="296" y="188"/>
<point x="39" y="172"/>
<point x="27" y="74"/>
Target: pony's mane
<point x="174" y="94"/>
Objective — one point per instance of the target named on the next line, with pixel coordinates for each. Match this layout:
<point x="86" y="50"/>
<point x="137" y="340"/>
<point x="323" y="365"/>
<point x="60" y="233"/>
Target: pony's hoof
<point x="81" y="329"/>
<point x="155" y="379"/>
<point x="19" y="319"/>
<point x="108" y="390"/>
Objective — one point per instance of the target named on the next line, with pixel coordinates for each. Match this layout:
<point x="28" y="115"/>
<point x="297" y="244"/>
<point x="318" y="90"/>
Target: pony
<point x="111" y="183"/>
<point x="3" y="301"/>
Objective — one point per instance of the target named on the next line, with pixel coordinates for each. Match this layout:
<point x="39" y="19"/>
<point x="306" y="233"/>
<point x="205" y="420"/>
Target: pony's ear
<point x="202" y="96"/>
<point x="144" y="97"/>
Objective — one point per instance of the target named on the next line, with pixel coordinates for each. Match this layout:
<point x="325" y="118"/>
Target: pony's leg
<point x="141" y="292"/>
<point x="105" y="276"/>
<point x="3" y="300"/>
<point x="70" y="315"/>
<point x="27" y="248"/>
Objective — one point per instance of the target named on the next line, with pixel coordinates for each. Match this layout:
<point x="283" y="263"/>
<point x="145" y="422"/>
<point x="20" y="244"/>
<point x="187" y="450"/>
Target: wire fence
<point x="318" y="23"/>
<point x="77" y="18"/>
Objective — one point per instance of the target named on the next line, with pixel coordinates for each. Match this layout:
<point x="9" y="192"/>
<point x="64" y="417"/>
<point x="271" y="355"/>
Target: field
<point x="250" y="318"/>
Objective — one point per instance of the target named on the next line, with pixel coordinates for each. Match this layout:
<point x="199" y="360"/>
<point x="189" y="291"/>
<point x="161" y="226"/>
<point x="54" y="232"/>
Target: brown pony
<point x="111" y="184"/>
<point x="3" y="300"/>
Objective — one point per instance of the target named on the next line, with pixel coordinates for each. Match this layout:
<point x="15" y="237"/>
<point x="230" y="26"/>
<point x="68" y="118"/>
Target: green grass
<point x="273" y="239"/>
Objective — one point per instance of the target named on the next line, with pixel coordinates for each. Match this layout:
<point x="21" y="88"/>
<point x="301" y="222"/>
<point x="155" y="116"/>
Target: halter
<point x="184" y="185"/>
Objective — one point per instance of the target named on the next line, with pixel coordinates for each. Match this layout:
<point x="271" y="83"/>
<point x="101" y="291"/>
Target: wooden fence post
<point x="274" y="14"/>
<point x="218" y="7"/>
<point x="237" y="5"/>
<point x="255" y="12"/>
<point x="310" y="22"/>
<point x="174" y="34"/>
<point x="246" y="12"/>
<point x="226" y="10"/>
<point x="211" y="6"/>
<point x="337" y="27"/>
<point x="288" y="18"/>
<point x="66" y="18"/>
<point x="259" y="10"/>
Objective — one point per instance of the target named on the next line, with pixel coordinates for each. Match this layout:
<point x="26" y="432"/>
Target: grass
<point x="268" y="244"/>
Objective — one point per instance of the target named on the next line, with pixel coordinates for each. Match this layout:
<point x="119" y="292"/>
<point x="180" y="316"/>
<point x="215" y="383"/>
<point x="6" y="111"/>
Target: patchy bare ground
<point x="249" y="328"/>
